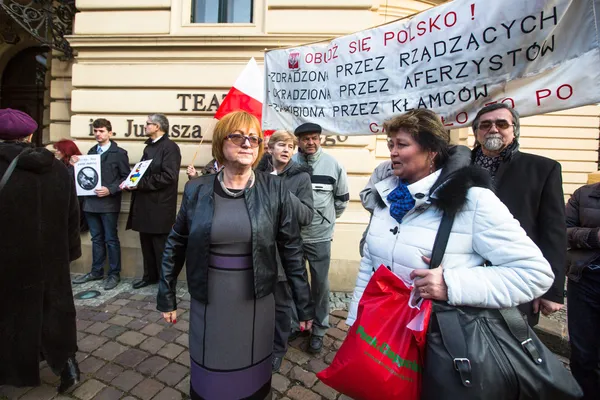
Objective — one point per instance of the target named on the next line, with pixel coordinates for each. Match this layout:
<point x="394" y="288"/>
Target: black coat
<point x="583" y="224"/>
<point x="154" y="203"/>
<point x="274" y="228"/>
<point x="531" y="187"/>
<point x="114" y="168"/>
<point x="39" y="236"/>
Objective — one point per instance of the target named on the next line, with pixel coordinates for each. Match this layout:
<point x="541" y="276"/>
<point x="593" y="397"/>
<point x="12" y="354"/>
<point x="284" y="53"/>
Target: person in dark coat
<point x="229" y="230"/>
<point x="64" y="149"/>
<point x="278" y="161"/>
<point x="102" y="210"/>
<point x="39" y="237"/>
<point x="583" y="294"/>
<point x="531" y="187"/>
<point x="154" y="199"/>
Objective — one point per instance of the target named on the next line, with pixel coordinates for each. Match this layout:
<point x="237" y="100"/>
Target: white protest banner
<point x="136" y="173"/>
<point x="87" y="175"/>
<point x="537" y="56"/>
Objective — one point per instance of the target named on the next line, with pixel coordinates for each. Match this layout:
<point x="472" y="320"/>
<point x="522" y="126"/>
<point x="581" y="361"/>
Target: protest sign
<point x="136" y="173"/>
<point x="87" y="175"/>
<point x="537" y="56"/>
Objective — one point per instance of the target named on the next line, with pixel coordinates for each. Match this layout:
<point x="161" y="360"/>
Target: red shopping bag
<point x="382" y="356"/>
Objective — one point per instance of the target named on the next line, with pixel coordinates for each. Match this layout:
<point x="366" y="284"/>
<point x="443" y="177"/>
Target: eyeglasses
<point x="500" y="124"/>
<point x="238" y="139"/>
<point x="150" y="123"/>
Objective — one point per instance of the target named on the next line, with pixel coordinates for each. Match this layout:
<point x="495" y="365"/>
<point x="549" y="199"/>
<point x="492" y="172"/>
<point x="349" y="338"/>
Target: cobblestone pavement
<point x="126" y="351"/>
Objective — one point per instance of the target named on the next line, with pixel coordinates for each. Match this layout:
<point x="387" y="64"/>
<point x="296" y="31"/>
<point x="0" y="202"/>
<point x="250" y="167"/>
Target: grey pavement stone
<point x="168" y="394"/>
<point x="316" y="365"/>
<point x="152" y="345"/>
<point x="182" y="325"/>
<point x="172" y="374"/>
<point x="109" y="393"/>
<point x="114" y="331"/>
<point x="127" y="380"/>
<point x="102" y="317"/>
<point x="46" y="375"/>
<point x="325" y="391"/>
<point x="286" y="367"/>
<point x="97" y="328"/>
<point x="43" y="392"/>
<point x="109" y="351"/>
<point x="300" y="393"/>
<point x="152" y="365"/>
<point x="91" y="365"/>
<point x="308" y="379"/>
<point x="297" y="356"/>
<point x="83" y="324"/>
<point x="11" y="392"/>
<point x="171" y="351"/>
<point x="280" y="383"/>
<point x="131" y="357"/>
<point x="152" y="329"/>
<point x="91" y="343"/>
<point x="184" y="359"/>
<point x="137" y="324"/>
<point x="147" y="388"/>
<point x="121" y="320"/>
<point x="120" y="302"/>
<point x="184" y="385"/>
<point x="108" y="372"/>
<point x="183" y="340"/>
<point x="88" y="389"/>
<point x="168" y="334"/>
<point x="131" y="338"/>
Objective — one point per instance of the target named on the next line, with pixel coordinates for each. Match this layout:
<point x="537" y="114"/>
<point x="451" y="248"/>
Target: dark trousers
<point x="583" y="300"/>
<point x="283" y="318"/>
<point x="103" y="230"/>
<point x="318" y="256"/>
<point x="153" y="246"/>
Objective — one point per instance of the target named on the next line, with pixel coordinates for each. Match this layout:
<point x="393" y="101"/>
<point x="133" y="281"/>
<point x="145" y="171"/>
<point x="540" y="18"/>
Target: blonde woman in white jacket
<point x="489" y="261"/>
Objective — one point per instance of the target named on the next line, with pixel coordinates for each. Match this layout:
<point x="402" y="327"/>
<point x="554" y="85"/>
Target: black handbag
<point x="479" y="353"/>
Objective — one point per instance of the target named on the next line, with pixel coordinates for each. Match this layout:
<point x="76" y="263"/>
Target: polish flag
<point x="246" y="94"/>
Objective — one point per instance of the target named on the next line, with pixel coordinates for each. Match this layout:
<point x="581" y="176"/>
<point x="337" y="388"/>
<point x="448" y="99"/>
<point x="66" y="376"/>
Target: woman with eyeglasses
<point x="408" y="206"/>
<point x="228" y="231"/>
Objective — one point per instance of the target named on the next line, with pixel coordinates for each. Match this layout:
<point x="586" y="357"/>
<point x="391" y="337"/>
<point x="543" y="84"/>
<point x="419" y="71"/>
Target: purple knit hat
<point x="15" y="124"/>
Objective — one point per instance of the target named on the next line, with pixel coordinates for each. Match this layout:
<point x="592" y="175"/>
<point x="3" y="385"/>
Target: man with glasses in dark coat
<point x="531" y="187"/>
<point x="154" y="198"/>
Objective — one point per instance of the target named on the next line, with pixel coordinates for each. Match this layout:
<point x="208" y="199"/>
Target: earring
<point x="431" y="167"/>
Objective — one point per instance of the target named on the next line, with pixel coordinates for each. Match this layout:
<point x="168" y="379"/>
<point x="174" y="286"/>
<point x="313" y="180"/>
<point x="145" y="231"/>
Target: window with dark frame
<point x="222" y="11"/>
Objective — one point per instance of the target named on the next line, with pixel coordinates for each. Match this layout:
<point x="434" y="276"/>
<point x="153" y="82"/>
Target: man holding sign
<point x="154" y="197"/>
<point x="531" y="187"/>
<point x="102" y="210"/>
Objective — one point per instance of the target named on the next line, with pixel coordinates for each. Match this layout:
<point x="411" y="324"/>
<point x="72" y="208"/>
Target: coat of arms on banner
<point x="293" y="61"/>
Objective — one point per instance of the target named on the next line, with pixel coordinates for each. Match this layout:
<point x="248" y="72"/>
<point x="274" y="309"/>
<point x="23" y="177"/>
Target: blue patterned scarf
<point x="401" y="202"/>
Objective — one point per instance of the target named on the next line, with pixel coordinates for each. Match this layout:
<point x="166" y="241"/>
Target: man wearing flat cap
<point x="39" y="237"/>
<point x="330" y="196"/>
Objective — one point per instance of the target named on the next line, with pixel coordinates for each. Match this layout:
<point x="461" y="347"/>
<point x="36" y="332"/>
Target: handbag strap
<point x="441" y="240"/>
<point x="452" y="333"/>
<point x="9" y="171"/>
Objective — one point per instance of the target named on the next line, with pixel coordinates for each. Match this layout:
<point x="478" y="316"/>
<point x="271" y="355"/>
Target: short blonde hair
<point x="282" y="136"/>
<point x="230" y="123"/>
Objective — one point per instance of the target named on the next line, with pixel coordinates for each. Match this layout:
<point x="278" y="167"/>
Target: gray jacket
<point x="330" y="194"/>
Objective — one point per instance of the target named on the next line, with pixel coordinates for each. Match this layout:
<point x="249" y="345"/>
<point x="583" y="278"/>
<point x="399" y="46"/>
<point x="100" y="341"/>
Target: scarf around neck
<point x="401" y="201"/>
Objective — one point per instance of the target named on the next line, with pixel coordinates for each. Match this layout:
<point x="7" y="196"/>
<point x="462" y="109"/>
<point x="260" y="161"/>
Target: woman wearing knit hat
<point x="39" y="237"/>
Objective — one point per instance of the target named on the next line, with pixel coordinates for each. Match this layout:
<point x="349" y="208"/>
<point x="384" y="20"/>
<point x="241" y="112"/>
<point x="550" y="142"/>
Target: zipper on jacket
<point x="501" y="359"/>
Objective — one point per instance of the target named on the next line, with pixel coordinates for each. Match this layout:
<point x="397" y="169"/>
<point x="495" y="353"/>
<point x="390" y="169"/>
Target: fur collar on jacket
<point x="451" y="195"/>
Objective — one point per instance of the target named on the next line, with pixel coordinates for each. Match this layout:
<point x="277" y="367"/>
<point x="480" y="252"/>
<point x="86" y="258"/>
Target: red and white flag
<point x="246" y="94"/>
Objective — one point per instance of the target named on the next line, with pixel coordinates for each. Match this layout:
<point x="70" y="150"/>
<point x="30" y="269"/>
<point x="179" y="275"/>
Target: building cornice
<point x="268" y="41"/>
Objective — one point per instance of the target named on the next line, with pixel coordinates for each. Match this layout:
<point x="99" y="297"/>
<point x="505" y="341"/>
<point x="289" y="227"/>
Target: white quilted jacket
<point x="483" y="229"/>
